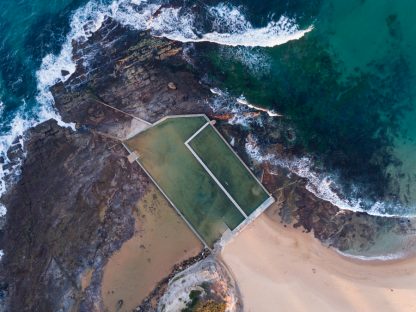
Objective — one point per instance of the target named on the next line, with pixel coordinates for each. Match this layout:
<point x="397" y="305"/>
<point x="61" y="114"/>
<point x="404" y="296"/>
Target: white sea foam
<point x="84" y="23"/>
<point x="230" y="27"/>
<point x="255" y="60"/>
<point x="386" y="257"/>
<point x="322" y="186"/>
<point x="270" y="36"/>
<point x="239" y="108"/>
<point x="225" y="104"/>
<point x="232" y="142"/>
<point x="242" y="100"/>
<point x="1" y="254"/>
<point x="217" y="91"/>
<point x="3" y="210"/>
<point x="18" y="126"/>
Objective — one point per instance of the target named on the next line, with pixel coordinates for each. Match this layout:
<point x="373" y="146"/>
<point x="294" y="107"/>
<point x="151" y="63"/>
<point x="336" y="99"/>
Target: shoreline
<point x="288" y="262"/>
<point x="376" y="260"/>
<point x="91" y="166"/>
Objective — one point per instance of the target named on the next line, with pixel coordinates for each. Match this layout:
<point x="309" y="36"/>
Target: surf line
<point x="242" y="101"/>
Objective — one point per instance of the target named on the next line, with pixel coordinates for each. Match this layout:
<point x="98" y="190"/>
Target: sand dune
<point x="283" y="269"/>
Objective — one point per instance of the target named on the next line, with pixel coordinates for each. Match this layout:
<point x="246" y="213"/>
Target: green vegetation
<point x="194" y="296"/>
<point x="163" y="154"/>
<point x="210" y="306"/>
<point x="229" y="170"/>
<point x="198" y="304"/>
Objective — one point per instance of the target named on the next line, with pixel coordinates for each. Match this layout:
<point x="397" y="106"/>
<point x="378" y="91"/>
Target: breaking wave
<point x="17" y="127"/>
<point x="324" y="186"/>
<point x="386" y="257"/>
<point x="228" y="27"/>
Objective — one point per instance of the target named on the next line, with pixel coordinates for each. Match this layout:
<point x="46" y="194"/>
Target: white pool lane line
<point x="216" y="180"/>
<point x="170" y="201"/>
<point x="195" y="134"/>
<point x="209" y="171"/>
<point x="248" y="219"/>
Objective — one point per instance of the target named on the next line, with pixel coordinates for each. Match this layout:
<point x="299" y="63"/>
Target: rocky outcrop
<point x="71" y="208"/>
<point x="151" y="302"/>
<point x="69" y="211"/>
<point x="133" y="75"/>
<point x="345" y="230"/>
<point x="206" y="281"/>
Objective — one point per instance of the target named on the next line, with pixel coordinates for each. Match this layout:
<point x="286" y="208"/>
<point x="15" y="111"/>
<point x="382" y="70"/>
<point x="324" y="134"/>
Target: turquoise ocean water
<point x="29" y="30"/>
<point x="342" y="73"/>
<point x="348" y="89"/>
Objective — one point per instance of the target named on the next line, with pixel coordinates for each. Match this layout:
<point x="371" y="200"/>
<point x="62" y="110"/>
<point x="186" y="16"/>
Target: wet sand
<point x="161" y="240"/>
<point x="279" y="268"/>
<point x="86" y="279"/>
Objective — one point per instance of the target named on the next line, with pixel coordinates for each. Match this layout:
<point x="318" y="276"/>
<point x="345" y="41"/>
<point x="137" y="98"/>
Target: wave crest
<point x="322" y="186"/>
<point x="228" y="27"/>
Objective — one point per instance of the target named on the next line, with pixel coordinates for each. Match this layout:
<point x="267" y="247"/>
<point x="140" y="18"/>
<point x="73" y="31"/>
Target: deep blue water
<point x="348" y="90"/>
<point x="29" y="30"/>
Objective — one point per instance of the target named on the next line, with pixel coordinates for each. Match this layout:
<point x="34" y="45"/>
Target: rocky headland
<point x="71" y="207"/>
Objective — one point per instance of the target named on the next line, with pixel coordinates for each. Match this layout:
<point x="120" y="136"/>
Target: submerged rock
<point x="64" y="72"/>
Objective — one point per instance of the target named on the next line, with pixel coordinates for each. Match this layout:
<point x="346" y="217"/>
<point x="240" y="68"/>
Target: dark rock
<point x="15" y="152"/>
<point x="16" y="140"/>
<point x="130" y="77"/>
<point x="64" y="72"/>
<point x="7" y="167"/>
<point x="54" y="214"/>
<point x="119" y="304"/>
<point x="55" y="227"/>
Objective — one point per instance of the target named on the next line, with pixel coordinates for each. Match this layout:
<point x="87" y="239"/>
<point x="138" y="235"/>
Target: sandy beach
<point x="280" y="268"/>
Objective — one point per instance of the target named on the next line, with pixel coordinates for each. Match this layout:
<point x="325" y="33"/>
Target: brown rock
<point x="53" y="215"/>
